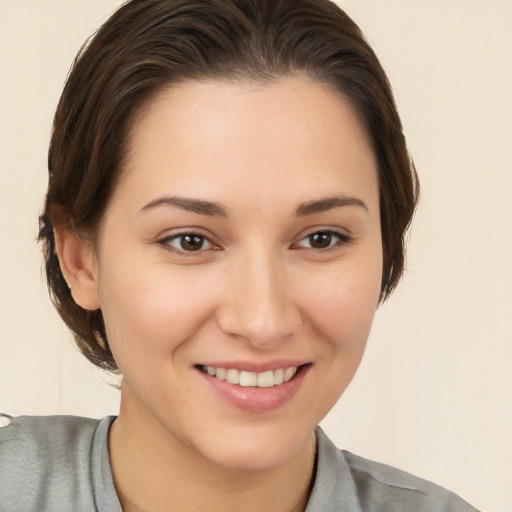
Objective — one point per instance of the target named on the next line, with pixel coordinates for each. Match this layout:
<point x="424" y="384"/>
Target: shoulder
<point x="368" y="485"/>
<point x="380" y="480"/>
<point x="29" y="441"/>
<point x="44" y="458"/>
<point x="41" y="429"/>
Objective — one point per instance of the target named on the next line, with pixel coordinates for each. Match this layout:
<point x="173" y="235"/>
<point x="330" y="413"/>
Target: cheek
<point x="152" y="313"/>
<point x="342" y="305"/>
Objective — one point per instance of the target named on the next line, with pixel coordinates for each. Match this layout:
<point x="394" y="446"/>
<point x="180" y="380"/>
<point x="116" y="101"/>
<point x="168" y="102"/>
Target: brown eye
<point x="188" y="242"/>
<point x="320" y="240"/>
<point x="323" y="240"/>
<point x="191" y="242"/>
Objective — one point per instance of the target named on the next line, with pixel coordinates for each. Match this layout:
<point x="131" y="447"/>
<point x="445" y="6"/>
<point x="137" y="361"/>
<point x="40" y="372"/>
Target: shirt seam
<point x="388" y="483"/>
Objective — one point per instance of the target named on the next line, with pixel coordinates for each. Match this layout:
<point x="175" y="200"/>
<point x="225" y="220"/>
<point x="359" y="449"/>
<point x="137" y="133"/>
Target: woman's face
<point x="243" y="237"/>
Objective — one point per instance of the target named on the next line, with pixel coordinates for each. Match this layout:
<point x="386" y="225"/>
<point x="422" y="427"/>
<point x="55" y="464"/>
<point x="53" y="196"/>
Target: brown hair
<point x="149" y="44"/>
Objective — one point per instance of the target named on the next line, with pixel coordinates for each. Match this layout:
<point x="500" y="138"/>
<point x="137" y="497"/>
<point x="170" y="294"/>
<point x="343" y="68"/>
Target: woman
<point x="228" y="198"/>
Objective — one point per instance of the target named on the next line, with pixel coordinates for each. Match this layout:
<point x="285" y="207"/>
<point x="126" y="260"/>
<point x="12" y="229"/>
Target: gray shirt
<point x="61" y="464"/>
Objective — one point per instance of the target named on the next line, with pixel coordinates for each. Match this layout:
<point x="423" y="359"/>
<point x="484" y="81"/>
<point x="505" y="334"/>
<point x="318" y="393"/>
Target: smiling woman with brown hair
<point x="228" y="197"/>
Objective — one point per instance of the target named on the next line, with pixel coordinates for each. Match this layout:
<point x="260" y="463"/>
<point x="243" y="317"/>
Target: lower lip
<point x="254" y="399"/>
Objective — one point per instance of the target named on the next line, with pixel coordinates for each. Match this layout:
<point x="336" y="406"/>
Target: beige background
<point x="434" y="394"/>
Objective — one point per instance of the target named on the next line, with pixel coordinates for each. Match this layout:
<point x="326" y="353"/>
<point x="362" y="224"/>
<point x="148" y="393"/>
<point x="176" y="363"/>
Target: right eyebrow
<point x="199" y="206"/>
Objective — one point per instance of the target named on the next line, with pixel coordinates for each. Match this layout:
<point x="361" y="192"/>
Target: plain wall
<point x="434" y="393"/>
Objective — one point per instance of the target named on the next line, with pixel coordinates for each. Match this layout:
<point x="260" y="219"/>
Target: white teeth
<point x="233" y="376"/>
<point x="266" y="379"/>
<point x="248" y="379"/>
<point x="289" y="373"/>
<point x="279" y="376"/>
<point x="261" y="380"/>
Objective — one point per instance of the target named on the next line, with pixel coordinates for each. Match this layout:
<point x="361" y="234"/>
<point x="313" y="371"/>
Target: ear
<point x="78" y="266"/>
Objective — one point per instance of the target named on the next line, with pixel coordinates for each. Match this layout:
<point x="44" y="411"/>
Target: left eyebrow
<point x="328" y="203"/>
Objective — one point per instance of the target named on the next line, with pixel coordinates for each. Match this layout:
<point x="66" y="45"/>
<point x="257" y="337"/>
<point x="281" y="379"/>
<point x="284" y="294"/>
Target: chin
<point x="247" y="460"/>
<point x="255" y="449"/>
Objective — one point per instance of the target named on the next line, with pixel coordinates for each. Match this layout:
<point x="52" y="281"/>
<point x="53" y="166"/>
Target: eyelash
<point x="342" y="239"/>
<point x="167" y="243"/>
<point x="335" y="239"/>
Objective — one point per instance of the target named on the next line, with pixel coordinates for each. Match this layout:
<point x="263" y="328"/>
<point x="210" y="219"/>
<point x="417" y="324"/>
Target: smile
<point x="255" y="391"/>
<point x="242" y="378"/>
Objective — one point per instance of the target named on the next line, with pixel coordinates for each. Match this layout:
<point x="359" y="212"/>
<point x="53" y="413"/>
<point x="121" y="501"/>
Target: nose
<point x="258" y="304"/>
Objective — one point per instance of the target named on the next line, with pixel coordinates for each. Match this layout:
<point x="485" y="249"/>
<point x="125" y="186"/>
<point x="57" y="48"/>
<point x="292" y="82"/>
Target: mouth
<point x="255" y="391"/>
<point x="266" y="379"/>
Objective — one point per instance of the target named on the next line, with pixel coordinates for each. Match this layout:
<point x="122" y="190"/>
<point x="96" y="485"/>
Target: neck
<point x="153" y="468"/>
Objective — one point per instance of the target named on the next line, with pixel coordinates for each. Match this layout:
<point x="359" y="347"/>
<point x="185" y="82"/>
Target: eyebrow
<point x="328" y="203"/>
<point x="212" y="209"/>
<point x="192" y="205"/>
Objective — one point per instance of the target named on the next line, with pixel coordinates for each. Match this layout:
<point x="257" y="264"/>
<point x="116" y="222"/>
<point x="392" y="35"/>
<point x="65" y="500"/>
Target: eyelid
<point x="165" y="240"/>
<point x="343" y="238"/>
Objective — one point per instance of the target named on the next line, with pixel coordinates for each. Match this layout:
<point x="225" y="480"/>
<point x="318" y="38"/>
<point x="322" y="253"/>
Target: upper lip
<point x="251" y="366"/>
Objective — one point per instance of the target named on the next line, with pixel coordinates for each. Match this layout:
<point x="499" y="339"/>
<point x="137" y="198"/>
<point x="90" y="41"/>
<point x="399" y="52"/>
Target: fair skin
<point x="276" y="187"/>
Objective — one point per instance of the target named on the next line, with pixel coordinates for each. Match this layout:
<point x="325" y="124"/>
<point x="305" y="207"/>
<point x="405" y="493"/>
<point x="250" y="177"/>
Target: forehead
<point x="205" y="136"/>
